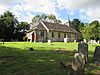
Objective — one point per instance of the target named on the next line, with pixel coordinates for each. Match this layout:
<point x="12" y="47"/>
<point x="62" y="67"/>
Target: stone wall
<point x="61" y="38"/>
<point x="47" y="36"/>
<point x="56" y="38"/>
<point x="41" y="38"/>
<point x="73" y="37"/>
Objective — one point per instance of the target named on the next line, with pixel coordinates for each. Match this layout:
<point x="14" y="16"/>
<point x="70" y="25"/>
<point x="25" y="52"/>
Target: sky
<point x="25" y="10"/>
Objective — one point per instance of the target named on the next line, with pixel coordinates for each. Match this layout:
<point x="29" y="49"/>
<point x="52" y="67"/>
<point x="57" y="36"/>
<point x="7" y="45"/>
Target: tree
<point x="77" y="24"/>
<point x="87" y="32"/>
<point x="44" y="17"/>
<point x="95" y="29"/>
<point x="91" y="31"/>
<point x="7" y="25"/>
<point x="51" y="18"/>
<point x="22" y="27"/>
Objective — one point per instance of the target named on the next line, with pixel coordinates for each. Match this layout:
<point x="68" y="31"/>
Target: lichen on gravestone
<point x="83" y="48"/>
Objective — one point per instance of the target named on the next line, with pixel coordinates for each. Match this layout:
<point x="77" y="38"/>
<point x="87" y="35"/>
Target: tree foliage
<point x="7" y="25"/>
<point x="91" y="31"/>
<point x="10" y="28"/>
<point x="51" y="18"/>
<point x="22" y="27"/>
<point x="77" y="24"/>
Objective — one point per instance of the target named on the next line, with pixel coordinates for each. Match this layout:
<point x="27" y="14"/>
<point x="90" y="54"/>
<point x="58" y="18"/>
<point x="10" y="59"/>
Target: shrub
<point x="25" y="38"/>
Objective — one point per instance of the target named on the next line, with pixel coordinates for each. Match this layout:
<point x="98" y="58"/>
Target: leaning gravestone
<point x="83" y="48"/>
<point x="96" y="57"/>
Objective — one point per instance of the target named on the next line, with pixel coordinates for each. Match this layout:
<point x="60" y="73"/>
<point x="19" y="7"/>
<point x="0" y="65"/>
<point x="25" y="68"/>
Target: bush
<point x="25" y="38"/>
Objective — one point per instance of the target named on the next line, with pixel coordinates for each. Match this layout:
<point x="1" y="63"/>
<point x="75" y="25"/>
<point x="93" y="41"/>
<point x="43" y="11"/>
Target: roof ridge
<point x="49" y="26"/>
<point x="59" y="27"/>
<point x="50" y="22"/>
<point x="45" y="26"/>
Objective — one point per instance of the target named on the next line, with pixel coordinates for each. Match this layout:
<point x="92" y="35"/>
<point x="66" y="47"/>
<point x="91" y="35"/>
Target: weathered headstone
<point x="98" y="42"/>
<point x="74" y="41"/>
<point x="78" y="64"/>
<point x="83" y="48"/>
<point x="65" y="39"/>
<point x="96" y="57"/>
<point x="91" y="42"/>
<point x="94" y="42"/>
<point x="81" y="41"/>
<point x="49" y="42"/>
<point x="84" y="40"/>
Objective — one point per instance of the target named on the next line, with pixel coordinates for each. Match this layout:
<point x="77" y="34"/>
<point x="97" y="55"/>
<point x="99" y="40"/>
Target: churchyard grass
<point x="16" y="59"/>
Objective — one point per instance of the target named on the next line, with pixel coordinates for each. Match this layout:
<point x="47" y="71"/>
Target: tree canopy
<point x="51" y="18"/>
<point x="10" y="27"/>
<point x="22" y="27"/>
<point x="91" y="31"/>
<point x="8" y="23"/>
<point x="77" y="24"/>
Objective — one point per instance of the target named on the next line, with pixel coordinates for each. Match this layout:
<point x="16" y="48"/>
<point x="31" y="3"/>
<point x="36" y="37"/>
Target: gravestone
<point x="49" y="42"/>
<point x="83" y="48"/>
<point x="74" y="41"/>
<point x="91" y="42"/>
<point x="94" y="42"/>
<point x="65" y="40"/>
<point x="84" y="40"/>
<point x="98" y="42"/>
<point x="96" y="57"/>
<point x="78" y="64"/>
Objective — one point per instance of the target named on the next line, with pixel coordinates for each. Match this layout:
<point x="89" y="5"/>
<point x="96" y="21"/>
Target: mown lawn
<point x="16" y="59"/>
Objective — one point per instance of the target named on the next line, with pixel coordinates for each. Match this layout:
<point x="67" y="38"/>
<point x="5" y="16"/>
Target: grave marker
<point x="49" y="42"/>
<point x="96" y="57"/>
<point x="83" y="48"/>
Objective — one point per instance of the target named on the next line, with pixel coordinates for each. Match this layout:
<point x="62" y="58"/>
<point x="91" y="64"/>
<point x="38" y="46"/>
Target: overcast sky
<point x="25" y="10"/>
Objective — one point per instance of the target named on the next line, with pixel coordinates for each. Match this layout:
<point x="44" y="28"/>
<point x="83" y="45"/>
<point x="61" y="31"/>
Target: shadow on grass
<point x="40" y="61"/>
<point x="36" y="62"/>
<point x="92" y="69"/>
<point x="90" y="55"/>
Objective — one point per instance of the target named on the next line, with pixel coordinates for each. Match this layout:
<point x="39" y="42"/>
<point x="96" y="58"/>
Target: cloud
<point x="26" y="8"/>
<point x="77" y="4"/>
<point x="93" y="13"/>
<point x="6" y="2"/>
<point x="91" y="8"/>
<point x="47" y="6"/>
<point x="2" y="9"/>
